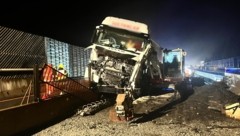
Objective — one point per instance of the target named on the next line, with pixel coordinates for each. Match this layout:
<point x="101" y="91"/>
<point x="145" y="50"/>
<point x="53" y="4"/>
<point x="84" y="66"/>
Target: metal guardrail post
<point x="36" y="83"/>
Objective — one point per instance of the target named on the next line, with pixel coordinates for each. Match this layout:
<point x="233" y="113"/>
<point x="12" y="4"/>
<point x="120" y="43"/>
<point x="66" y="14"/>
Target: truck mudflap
<point x="123" y="110"/>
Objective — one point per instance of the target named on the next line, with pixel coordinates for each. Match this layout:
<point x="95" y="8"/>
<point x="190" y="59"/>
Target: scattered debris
<point x="233" y="110"/>
<point x="215" y="105"/>
<point x="93" y="107"/>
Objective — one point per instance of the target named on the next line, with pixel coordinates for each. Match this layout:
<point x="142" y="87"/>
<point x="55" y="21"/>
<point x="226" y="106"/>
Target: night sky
<point x="206" y="29"/>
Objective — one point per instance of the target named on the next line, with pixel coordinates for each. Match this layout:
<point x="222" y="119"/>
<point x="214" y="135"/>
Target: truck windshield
<point x="120" y="40"/>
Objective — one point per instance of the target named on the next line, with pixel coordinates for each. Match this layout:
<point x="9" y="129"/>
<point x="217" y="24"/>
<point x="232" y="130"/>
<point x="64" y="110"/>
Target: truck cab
<point x="122" y="55"/>
<point x="174" y="64"/>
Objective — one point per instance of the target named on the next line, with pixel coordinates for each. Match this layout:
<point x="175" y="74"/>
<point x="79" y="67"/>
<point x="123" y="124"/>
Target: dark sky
<point x="204" y="28"/>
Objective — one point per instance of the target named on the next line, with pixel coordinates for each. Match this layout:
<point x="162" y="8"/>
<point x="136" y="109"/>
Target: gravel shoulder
<point x="190" y="117"/>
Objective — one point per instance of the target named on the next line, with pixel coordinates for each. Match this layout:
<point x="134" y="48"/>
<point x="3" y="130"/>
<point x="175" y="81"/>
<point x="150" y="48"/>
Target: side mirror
<point x="95" y="33"/>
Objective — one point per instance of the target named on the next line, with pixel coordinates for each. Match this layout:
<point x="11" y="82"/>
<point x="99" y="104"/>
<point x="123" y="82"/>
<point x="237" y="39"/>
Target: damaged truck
<point x="125" y="61"/>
